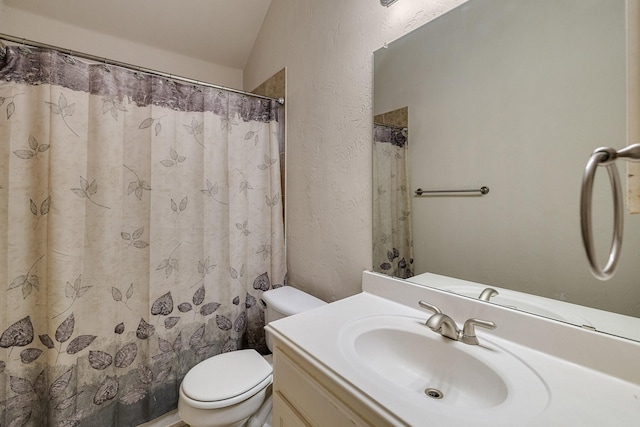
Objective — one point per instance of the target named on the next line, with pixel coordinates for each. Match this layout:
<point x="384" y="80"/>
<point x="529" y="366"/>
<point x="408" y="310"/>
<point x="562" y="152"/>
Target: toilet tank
<point x="286" y="301"/>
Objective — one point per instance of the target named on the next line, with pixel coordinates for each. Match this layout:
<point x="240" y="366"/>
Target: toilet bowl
<point x="228" y="389"/>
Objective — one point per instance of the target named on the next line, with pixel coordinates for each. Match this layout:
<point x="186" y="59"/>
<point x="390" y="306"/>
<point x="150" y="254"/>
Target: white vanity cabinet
<point x="367" y="360"/>
<point x="305" y="395"/>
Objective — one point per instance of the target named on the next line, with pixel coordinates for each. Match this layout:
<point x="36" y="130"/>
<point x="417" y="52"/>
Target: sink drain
<point x="434" y="393"/>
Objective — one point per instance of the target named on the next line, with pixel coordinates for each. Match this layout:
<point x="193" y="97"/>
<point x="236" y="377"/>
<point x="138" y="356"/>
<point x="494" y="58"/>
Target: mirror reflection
<point x="514" y="95"/>
<point x="392" y="239"/>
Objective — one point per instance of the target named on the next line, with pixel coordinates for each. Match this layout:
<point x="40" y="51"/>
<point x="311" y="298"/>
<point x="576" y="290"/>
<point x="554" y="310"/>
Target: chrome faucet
<point x="444" y="325"/>
<point x="486" y="294"/>
<point x="447" y="327"/>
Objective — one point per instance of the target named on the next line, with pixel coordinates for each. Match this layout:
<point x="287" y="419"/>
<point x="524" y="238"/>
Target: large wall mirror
<point x="513" y="95"/>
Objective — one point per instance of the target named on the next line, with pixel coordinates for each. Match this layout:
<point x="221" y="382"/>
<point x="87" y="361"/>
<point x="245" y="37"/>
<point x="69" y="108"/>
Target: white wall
<point x="41" y="29"/>
<point x="327" y="47"/>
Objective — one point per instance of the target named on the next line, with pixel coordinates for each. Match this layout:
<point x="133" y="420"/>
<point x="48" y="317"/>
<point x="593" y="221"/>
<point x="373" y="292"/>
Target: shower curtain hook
<point x="69" y="59"/>
<point x="138" y="73"/>
<point x="104" y="65"/>
<point x="23" y="48"/>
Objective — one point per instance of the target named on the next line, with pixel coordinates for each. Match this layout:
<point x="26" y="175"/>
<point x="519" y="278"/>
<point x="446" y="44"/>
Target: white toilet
<point x="228" y="389"/>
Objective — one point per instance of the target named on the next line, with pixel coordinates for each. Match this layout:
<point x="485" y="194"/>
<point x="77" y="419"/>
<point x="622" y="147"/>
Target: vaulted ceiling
<point x="217" y="31"/>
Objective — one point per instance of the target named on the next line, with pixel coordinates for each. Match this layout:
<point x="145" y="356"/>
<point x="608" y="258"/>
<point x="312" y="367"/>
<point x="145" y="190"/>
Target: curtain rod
<point x="391" y="126"/>
<point x="23" y="41"/>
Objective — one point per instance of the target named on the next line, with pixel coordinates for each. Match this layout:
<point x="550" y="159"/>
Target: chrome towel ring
<point x="604" y="156"/>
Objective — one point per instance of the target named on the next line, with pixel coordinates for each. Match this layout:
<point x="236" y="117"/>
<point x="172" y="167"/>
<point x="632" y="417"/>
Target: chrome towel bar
<point x="481" y="190"/>
<point x="604" y="156"/>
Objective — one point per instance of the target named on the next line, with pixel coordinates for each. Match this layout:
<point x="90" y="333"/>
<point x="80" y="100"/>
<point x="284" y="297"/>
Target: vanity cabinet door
<point x="284" y="415"/>
<point x="303" y="397"/>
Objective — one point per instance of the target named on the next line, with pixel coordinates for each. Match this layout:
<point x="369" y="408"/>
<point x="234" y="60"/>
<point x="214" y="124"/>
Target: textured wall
<point x="327" y="47"/>
<point x="38" y="28"/>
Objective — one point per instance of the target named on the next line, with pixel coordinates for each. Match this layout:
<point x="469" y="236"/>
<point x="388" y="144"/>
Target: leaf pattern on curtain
<point x="392" y="238"/>
<point x="134" y="236"/>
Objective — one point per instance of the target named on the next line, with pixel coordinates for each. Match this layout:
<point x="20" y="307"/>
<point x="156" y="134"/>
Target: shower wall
<point x="398" y="118"/>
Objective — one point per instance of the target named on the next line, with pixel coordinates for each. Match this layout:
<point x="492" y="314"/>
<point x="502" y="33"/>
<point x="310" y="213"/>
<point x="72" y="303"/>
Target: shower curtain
<point x="392" y="241"/>
<point x="140" y="221"/>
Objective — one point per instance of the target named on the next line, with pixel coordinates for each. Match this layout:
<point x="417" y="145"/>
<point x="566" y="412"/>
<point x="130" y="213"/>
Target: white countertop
<point x="585" y="372"/>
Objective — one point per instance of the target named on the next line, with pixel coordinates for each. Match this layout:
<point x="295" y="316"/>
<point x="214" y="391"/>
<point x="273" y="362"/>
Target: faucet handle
<point x="487" y="293"/>
<point x="469" y="330"/>
<point x="428" y="306"/>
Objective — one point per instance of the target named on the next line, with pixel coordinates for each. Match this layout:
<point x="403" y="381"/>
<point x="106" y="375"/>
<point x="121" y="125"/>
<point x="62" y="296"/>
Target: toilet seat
<point x="226" y="379"/>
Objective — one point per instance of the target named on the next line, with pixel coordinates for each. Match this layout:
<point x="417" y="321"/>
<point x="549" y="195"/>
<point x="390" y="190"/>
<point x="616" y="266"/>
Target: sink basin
<point x="405" y="358"/>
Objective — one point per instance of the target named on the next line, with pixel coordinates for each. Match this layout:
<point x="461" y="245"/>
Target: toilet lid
<point x="225" y="376"/>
